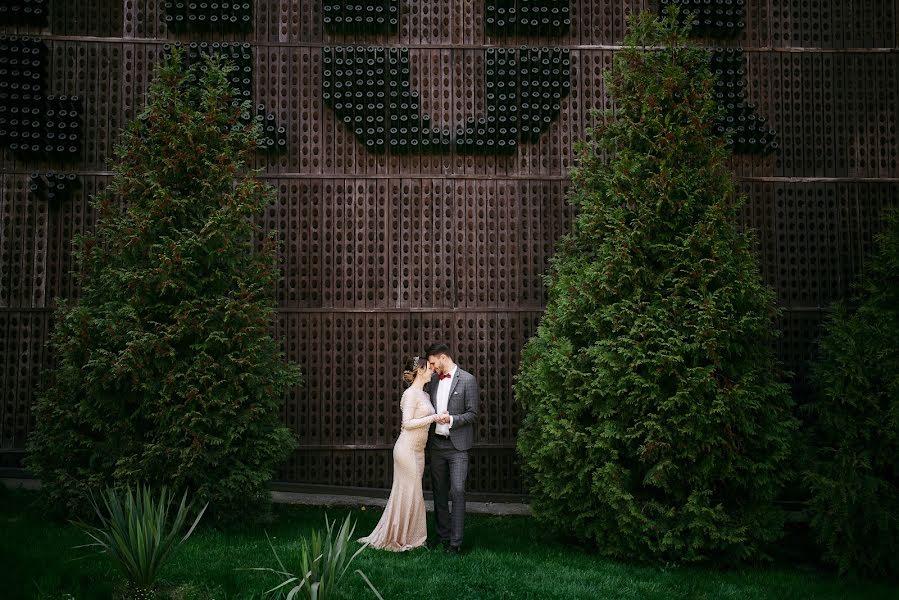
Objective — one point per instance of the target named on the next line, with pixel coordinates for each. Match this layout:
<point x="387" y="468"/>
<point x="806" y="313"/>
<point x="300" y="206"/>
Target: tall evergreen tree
<point x="853" y="475"/>
<point x="166" y="370"/>
<point x="657" y="423"/>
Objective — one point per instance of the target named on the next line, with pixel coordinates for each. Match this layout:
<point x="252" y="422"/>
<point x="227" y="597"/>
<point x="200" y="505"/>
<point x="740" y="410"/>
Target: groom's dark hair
<point x="436" y="349"/>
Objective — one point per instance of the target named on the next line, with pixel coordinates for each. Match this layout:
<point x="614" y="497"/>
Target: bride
<point x="403" y="526"/>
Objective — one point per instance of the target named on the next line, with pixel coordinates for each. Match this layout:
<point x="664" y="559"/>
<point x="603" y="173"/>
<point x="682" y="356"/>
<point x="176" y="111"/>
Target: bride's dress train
<point x="403" y="525"/>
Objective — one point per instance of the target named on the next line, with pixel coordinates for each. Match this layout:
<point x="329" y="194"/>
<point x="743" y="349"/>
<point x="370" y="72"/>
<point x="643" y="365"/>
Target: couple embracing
<point x="439" y="413"/>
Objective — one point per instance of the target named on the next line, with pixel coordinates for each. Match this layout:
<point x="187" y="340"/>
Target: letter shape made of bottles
<point x="32" y="124"/>
<point x="743" y="129"/>
<point x="369" y="90"/>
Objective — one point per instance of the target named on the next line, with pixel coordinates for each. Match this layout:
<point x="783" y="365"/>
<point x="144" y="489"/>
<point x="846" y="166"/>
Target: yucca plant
<point x="138" y="532"/>
<point x="324" y="560"/>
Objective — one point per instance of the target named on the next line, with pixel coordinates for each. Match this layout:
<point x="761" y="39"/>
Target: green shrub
<point x="657" y="424"/>
<point x="853" y="475"/>
<point x="138" y="535"/>
<point x="166" y="369"/>
<point x="324" y="560"/>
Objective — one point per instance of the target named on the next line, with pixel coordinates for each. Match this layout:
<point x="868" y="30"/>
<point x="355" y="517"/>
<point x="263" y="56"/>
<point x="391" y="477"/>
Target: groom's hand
<point x="443" y="418"/>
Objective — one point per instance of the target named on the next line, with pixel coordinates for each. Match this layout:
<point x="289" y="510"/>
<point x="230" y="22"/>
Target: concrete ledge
<point x="282" y="497"/>
<point x="318" y="489"/>
<point x="486" y="508"/>
<point x="20" y="483"/>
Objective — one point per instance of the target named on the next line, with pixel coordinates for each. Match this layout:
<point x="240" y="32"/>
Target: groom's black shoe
<point x="444" y="544"/>
<point x="454" y="549"/>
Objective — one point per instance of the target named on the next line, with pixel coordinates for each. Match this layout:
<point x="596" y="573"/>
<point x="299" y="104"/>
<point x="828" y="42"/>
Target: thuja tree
<point x="166" y="371"/>
<point x="853" y="419"/>
<point x="657" y="424"/>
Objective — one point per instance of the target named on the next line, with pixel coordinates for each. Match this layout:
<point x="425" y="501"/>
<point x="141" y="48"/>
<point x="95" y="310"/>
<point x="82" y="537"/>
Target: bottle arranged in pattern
<point x="35" y="125"/>
<point x="32" y="13"/>
<point x="53" y="187"/>
<point x="215" y="16"/>
<point x="711" y="18"/>
<point x="361" y="17"/>
<point x="544" y="80"/>
<point x="527" y="17"/>
<point x="369" y="90"/>
<point x="22" y="64"/>
<point x="63" y="125"/>
<point x="32" y="124"/>
<point x="741" y="127"/>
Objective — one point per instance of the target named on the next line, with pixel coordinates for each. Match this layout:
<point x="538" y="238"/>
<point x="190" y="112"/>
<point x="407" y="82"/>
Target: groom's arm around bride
<point x="462" y="424"/>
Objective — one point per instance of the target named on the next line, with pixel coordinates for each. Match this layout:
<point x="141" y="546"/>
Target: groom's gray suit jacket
<point x="462" y="404"/>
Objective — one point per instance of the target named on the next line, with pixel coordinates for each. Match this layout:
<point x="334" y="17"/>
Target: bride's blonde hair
<point x="416" y="365"/>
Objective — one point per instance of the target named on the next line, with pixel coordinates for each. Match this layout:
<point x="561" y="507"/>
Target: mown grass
<point x="507" y="557"/>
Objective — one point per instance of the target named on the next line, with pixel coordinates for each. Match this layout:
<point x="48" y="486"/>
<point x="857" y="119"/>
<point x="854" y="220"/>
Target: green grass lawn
<point x="508" y="557"/>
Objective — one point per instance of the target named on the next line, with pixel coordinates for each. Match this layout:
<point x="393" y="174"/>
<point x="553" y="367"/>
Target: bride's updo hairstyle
<point x="416" y="365"/>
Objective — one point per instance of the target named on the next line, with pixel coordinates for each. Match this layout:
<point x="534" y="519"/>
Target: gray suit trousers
<point x="449" y="469"/>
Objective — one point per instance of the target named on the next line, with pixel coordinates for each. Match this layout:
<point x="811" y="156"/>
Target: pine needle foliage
<point x="853" y="420"/>
<point x="657" y="422"/>
<point x="166" y="371"/>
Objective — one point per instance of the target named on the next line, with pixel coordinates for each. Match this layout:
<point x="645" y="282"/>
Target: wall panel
<point x="385" y="252"/>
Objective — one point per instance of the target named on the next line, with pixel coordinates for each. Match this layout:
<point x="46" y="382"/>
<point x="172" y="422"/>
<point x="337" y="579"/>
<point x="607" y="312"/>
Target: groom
<point x="454" y="393"/>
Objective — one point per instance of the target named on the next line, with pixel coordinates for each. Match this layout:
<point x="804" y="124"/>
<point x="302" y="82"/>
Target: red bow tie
<point x="445" y="376"/>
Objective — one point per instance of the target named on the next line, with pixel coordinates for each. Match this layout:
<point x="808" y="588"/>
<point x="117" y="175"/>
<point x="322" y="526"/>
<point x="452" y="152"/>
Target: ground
<point x="507" y="557"/>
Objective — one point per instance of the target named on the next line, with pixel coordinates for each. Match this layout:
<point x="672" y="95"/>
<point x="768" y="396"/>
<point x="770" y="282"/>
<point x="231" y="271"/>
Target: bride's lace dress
<point x="403" y="525"/>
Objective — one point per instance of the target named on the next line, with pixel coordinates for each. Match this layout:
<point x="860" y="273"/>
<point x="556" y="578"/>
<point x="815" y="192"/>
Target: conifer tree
<point x="853" y="419"/>
<point x="657" y="422"/>
<point x="166" y="371"/>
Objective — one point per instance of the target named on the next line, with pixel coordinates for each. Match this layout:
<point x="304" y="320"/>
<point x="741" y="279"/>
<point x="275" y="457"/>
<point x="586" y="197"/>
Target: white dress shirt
<point x="443" y="390"/>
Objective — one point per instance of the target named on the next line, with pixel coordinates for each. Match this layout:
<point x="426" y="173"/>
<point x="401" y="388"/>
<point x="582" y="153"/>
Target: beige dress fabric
<point x="403" y="526"/>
